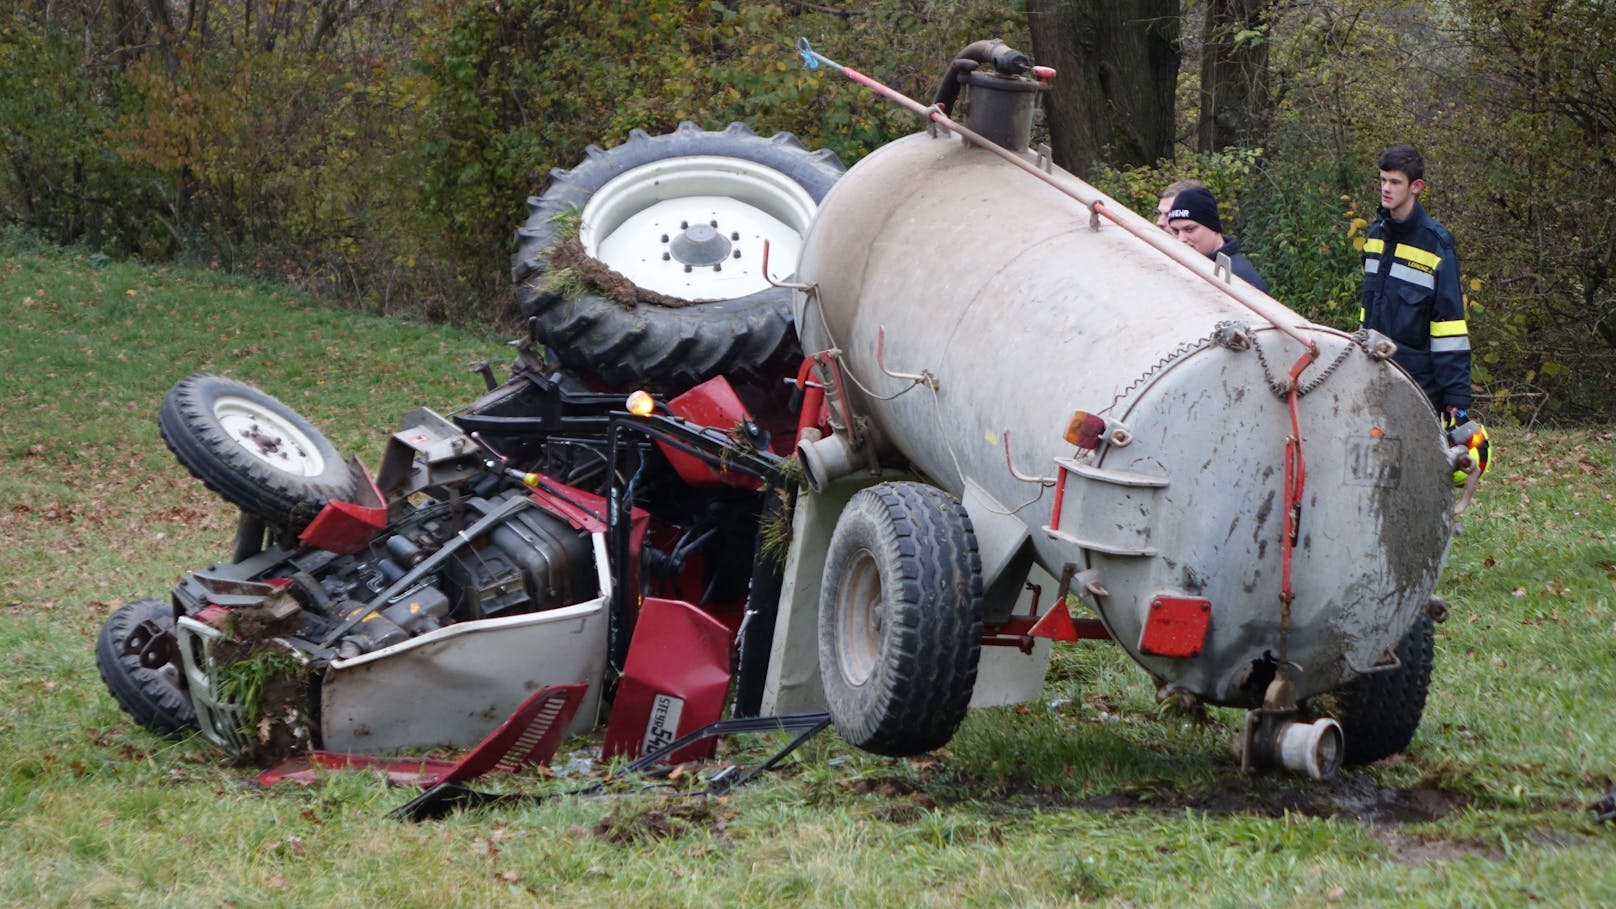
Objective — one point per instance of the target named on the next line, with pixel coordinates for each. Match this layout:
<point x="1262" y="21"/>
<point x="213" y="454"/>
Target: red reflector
<point x="1176" y="627"/>
<point x="1085" y="430"/>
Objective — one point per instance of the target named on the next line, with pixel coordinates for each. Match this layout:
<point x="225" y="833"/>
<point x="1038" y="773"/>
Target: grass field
<point x="1095" y="795"/>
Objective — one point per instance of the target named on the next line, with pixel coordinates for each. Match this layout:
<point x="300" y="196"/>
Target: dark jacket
<point x="1240" y="265"/>
<point x="1411" y="294"/>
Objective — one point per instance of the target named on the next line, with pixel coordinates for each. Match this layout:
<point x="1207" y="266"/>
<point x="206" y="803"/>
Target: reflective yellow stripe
<point x="1418" y="256"/>
<point x="1450" y="329"/>
<point x="1374" y="246"/>
<point x="1360" y="315"/>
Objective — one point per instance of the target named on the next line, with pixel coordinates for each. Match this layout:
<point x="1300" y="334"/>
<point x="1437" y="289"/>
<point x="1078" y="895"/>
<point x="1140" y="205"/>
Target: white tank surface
<point x="1019" y="309"/>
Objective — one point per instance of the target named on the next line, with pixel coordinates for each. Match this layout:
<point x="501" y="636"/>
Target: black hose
<point x="1005" y="59"/>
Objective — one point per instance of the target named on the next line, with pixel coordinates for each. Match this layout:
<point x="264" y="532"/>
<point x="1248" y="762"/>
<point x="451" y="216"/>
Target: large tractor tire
<point x="254" y="451"/>
<point x="900" y="619"/>
<point x="673" y="227"/>
<point x="1379" y="713"/>
<point x="151" y="696"/>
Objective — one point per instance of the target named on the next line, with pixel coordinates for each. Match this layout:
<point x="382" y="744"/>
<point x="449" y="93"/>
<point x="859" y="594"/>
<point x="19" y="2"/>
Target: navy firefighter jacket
<point x="1411" y="294"/>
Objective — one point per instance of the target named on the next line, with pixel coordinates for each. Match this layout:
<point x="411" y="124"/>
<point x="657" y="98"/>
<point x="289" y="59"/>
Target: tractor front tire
<point x="152" y="697"/>
<point x="254" y="451"/>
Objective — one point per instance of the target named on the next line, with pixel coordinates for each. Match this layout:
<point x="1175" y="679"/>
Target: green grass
<point x="1094" y="795"/>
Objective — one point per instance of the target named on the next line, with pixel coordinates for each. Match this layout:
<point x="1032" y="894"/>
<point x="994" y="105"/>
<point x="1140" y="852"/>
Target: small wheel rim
<point x="268" y="436"/>
<point x="694" y="227"/>
<point x="859" y="620"/>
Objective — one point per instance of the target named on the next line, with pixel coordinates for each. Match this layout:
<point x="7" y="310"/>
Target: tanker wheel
<point x="251" y="449"/>
<point x="1379" y="712"/>
<point x="900" y="618"/>
<point x="151" y="696"/>
<point x="683" y="215"/>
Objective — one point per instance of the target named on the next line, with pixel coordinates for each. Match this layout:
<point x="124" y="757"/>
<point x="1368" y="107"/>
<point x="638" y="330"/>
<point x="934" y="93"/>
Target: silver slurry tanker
<point x="1257" y="507"/>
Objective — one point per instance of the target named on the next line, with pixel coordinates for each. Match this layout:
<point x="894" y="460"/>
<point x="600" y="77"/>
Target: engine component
<point x="531" y="562"/>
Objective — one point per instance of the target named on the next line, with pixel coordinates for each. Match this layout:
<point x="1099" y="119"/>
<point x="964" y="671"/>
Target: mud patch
<point x="570" y="254"/>
<point x="1349" y="798"/>
<point x="1353" y="798"/>
<point x="629" y="825"/>
<point x="890" y="787"/>
<point x="1421" y="850"/>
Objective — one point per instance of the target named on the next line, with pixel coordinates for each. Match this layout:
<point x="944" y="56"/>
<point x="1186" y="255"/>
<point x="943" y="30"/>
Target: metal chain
<point x="1360" y="340"/>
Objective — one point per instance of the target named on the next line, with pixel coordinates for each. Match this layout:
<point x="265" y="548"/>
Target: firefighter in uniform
<point x="1411" y="293"/>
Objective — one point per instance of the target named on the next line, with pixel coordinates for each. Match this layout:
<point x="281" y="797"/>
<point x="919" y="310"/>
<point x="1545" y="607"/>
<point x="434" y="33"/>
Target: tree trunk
<point x="1234" y="75"/>
<point x="1117" y="63"/>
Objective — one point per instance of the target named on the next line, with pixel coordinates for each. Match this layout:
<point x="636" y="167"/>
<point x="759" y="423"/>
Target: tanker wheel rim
<point x="694" y="227"/>
<point x="268" y="436"/>
<point x="859" y="620"/>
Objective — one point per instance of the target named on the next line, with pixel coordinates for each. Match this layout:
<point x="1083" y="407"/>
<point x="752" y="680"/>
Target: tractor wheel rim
<point x="268" y="436"/>
<point x="694" y="227"/>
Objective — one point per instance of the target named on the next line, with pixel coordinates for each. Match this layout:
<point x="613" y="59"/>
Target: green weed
<point x="245" y="683"/>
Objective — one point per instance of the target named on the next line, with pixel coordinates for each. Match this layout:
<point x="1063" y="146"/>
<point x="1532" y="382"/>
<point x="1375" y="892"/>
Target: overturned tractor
<point x="972" y="402"/>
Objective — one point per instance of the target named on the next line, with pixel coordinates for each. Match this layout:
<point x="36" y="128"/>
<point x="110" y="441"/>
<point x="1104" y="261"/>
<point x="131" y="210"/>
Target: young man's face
<point x="1397" y="193"/>
<point x="1201" y="238"/>
<point x="1163" y="206"/>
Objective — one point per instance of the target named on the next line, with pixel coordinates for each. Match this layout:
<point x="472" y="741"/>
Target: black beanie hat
<point x="1198" y="206"/>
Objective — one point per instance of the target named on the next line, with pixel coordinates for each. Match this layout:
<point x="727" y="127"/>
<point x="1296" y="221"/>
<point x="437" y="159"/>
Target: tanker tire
<point x="900" y="619"/>
<point x="669" y="348"/>
<point x="1379" y="713"/>
<point x="152" y="697"/>
<point x="254" y="451"/>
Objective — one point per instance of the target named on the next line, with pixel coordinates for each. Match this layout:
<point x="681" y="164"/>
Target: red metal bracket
<point x="1057" y="625"/>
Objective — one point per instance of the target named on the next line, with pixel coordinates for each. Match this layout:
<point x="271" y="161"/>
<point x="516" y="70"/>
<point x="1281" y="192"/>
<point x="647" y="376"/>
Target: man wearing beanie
<point x="1164" y="199"/>
<point x="1194" y="219"/>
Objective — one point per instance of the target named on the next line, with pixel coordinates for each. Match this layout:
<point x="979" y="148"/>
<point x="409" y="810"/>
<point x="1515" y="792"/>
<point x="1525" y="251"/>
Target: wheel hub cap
<point x="700" y="244"/>
<point x="268" y="437"/>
